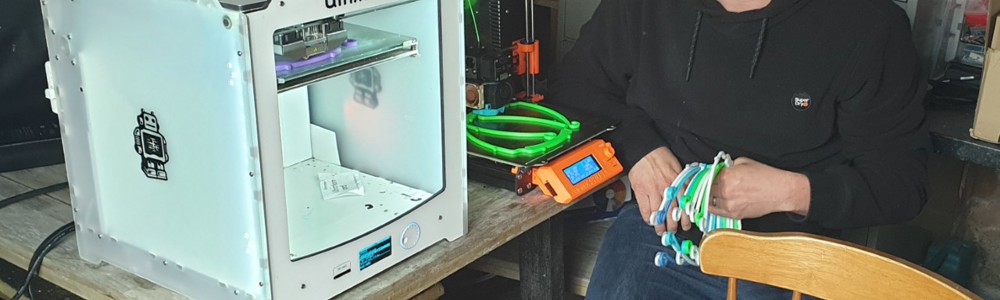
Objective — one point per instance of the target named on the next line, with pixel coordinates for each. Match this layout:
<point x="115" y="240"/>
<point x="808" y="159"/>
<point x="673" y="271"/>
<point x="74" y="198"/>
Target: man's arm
<point x="594" y="75"/>
<point x="594" y="78"/>
<point x="881" y="123"/>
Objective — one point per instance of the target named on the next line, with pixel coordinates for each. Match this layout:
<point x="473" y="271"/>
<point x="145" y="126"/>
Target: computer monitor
<point x="29" y="130"/>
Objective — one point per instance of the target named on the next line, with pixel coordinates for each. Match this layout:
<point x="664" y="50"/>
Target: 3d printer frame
<point x="190" y="194"/>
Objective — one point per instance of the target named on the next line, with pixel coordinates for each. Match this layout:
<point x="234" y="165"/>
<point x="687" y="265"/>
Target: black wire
<point x="50" y="242"/>
<point x="43" y="249"/>
<point x="39" y="250"/>
<point x="33" y="193"/>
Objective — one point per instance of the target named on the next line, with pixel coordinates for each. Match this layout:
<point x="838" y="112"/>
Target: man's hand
<point x="649" y="177"/>
<point x="750" y="189"/>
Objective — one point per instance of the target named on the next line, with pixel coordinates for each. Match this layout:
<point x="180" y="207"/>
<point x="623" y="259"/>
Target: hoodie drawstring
<point x="694" y="43"/>
<point x="760" y="46"/>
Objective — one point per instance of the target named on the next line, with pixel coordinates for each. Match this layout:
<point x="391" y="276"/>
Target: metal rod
<point x="529" y="78"/>
<point x="531" y="38"/>
<point x="527" y="20"/>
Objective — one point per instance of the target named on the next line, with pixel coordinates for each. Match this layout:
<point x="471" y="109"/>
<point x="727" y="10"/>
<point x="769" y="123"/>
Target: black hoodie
<point x="828" y="88"/>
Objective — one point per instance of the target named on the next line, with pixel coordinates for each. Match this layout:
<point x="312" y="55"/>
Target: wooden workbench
<point x="496" y="216"/>
<point x="582" y="241"/>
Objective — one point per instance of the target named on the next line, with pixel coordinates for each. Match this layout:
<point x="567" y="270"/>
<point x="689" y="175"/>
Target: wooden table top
<point x="496" y="216"/>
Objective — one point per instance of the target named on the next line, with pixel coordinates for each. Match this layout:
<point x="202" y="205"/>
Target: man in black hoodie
<point x="820" y="101"/>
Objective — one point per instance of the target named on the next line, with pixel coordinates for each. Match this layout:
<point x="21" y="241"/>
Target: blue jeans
<point x="625" y="269"/>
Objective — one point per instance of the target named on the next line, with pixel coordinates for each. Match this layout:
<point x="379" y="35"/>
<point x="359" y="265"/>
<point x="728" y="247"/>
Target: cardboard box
<point x="986" y="126"/>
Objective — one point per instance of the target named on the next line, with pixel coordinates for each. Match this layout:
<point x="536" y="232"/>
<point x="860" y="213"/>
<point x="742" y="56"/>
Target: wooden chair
<point x="820" y="267"/>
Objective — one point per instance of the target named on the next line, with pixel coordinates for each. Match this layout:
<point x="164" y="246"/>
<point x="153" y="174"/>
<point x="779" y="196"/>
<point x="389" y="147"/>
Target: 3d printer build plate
<point x="366" y="47"/>
<point x="374" y="203"/>
<point x="590" y="128"/>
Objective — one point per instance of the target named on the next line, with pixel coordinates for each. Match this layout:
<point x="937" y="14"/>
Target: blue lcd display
<point x="374" y="253"/>
<point x="582" y="169"/>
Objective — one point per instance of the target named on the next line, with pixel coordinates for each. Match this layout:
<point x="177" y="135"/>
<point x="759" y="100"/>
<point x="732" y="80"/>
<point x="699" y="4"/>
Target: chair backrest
<point x="820" y="267"/>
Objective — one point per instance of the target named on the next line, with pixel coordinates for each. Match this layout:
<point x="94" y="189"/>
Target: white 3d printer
<point x="258" y="149"/>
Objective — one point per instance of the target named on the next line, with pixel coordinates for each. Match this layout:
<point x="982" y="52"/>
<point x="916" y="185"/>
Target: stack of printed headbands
<point x="692" y="189"/>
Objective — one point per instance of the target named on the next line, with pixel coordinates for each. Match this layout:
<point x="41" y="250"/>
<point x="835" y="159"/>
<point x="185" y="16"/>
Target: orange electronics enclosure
<point x="578" y="172"/>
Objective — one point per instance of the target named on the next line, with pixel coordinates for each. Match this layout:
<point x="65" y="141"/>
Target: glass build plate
<point x="373" y="47"/>
<point x="316" y="224"/>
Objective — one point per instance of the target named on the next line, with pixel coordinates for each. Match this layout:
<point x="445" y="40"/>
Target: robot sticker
<point x="151" y="146"/>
